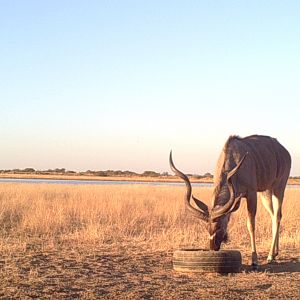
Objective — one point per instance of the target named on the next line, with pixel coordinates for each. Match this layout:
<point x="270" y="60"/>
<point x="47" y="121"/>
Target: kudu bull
<point x="246" y="166"/>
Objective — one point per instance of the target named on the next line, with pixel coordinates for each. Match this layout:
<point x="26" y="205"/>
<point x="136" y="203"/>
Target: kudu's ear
<point x="200" y="204"/>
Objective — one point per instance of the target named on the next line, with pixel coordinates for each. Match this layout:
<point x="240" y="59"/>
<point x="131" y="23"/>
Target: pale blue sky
<point x="116" y="84"/>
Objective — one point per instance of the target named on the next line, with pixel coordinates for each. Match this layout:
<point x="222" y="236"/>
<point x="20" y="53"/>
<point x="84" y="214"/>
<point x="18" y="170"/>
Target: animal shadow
<point x="291" y="265"/>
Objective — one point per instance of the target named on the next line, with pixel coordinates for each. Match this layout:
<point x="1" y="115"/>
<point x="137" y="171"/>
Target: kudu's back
<point x="267" y="165"/>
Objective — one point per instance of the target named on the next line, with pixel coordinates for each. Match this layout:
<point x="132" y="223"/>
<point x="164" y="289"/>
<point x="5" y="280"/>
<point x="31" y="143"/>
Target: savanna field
<point x="116" y="242"/>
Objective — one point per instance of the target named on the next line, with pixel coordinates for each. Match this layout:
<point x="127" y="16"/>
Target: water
<point x="108" y="182"/>
<point x="96" y="182"/>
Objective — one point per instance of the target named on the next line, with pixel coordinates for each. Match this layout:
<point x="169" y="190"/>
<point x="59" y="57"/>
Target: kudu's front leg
<point x="251" y="208"/>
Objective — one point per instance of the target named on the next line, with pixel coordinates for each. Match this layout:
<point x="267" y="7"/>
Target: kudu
<point x="246" y="166"/>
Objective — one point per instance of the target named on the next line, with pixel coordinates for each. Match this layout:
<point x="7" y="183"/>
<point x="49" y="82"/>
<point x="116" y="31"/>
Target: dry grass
<point x="100" y="214"/>
<point x="110" y="214"/>
<point x="54" y="225"/>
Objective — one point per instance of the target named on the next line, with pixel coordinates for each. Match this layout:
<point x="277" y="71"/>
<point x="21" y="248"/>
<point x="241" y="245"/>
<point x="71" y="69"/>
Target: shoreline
<point x="104" y="178"/>
<point x="174" y="179"/>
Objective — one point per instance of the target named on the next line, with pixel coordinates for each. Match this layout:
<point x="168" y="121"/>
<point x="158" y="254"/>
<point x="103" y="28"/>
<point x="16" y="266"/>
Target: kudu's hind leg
<point x="251" y="208"/>
<point x="277" y="206"/>
<point x="277" y="199"/>
<point x="273" y="204"/>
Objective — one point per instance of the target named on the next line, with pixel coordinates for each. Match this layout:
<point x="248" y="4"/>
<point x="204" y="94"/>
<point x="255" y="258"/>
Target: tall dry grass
<point x="152" y="215"/>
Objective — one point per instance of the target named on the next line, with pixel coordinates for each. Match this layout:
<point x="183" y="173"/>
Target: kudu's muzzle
<point x="213" y="245"/>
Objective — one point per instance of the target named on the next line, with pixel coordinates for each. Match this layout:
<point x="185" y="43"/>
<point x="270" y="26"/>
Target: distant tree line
<point x="33" y="171"/>
<point x="107" y="173"/>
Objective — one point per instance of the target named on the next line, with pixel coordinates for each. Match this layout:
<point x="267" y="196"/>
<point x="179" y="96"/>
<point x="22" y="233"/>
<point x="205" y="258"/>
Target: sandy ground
<point x="133" y="272"/>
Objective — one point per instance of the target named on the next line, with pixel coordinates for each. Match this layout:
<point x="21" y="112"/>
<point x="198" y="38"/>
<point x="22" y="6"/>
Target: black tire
<point x="199" y="260"/>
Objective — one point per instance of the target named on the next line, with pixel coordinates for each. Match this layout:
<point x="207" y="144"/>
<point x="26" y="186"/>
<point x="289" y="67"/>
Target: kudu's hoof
<point x="254" y="266"/>
<point x="271" y="261"/>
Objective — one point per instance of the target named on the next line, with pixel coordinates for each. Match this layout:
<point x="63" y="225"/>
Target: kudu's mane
<point x="221" y="189"/>
<point x="229" y="140"/>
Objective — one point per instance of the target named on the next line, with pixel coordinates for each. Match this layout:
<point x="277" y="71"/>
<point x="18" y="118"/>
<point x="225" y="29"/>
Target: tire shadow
<point x="291" y="265"/>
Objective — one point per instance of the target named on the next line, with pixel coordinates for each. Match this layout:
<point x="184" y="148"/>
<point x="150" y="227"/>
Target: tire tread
<point x="197" y="260"/>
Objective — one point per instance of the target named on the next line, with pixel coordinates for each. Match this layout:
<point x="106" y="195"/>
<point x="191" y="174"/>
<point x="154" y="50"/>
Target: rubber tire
<point x="199" y="260"/>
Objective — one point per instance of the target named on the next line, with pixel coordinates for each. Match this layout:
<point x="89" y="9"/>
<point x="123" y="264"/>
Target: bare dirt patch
<point x="133" y="272"/>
